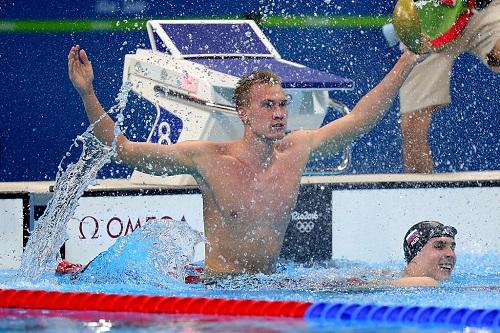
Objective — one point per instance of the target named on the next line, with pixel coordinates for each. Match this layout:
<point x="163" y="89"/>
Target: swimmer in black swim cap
<point x="429" y="249"/>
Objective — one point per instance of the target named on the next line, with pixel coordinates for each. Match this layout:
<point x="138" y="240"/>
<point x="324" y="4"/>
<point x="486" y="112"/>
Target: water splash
<point x="332" y="276"/>
<point x="42" y="250"/>
<point x="154" y="255"/>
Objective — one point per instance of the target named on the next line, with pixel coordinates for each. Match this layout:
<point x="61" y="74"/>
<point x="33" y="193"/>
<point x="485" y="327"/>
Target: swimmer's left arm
<point x="367" y="112"/>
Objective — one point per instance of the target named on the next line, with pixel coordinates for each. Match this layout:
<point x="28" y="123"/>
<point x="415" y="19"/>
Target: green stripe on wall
<point x="41" y="26"/>
<point x="64" y="26"/>
<point x="326" y="21"/>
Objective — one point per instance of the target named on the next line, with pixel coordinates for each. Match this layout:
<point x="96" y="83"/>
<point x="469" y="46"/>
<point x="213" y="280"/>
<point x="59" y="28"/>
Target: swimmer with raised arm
<point x="249" y="186"/>
<point x="429" y="249"/>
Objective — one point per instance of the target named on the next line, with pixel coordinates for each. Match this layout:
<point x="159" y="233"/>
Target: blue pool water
<point x="475" y="284"/>
<point x="148" y="261"/>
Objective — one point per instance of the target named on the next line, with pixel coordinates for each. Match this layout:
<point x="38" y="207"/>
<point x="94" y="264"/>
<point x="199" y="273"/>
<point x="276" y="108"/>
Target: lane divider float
<point x="321" y="313"/>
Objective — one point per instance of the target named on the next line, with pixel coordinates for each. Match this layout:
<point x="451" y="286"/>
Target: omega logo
<point x="115" y="227"/>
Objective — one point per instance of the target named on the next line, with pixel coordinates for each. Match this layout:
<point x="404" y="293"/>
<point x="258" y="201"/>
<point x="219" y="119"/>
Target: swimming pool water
<point x="475" y="284"/>
<point x="67" y="321"/>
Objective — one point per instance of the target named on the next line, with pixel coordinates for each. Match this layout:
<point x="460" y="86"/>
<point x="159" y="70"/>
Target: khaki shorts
<point x="429" y="82"/>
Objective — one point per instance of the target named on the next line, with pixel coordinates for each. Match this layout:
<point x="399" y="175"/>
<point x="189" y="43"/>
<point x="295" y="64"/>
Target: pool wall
<point x="355" y="217"/>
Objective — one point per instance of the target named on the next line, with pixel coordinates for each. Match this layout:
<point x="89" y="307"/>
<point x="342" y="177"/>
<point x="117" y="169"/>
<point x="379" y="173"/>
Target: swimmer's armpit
<point x="418" y="281"/>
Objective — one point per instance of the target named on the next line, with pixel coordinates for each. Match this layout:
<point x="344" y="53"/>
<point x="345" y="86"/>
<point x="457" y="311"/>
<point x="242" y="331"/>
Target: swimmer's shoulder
<point x="297" y="139"/>
<point x="415" y="281"/>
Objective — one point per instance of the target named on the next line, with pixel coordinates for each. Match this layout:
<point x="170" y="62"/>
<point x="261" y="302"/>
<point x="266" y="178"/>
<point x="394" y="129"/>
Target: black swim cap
<point x="418" y="235"/>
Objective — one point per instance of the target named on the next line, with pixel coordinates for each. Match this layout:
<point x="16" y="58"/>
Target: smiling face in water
<point x="436" y="259"/>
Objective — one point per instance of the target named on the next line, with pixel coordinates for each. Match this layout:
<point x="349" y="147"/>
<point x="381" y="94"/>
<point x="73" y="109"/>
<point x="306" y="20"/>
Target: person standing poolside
<point x="429" y="249"/>
<point x="249" y="186"/>
<point x="427" y="88"/>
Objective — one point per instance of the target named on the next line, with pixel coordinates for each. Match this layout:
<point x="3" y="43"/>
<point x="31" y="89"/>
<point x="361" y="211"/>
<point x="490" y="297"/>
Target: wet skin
<point x="249" y="186"/>
<point x="436" y="259"/>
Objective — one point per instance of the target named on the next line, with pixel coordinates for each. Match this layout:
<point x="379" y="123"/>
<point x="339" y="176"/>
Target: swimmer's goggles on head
<point x="419" y="234"/>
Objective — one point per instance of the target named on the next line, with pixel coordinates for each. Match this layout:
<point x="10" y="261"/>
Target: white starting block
<point x="190" y="75"/>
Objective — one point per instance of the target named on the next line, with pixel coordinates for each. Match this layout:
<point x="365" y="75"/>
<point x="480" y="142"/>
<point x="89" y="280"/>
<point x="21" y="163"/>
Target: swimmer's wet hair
<point x="243" y="86"/>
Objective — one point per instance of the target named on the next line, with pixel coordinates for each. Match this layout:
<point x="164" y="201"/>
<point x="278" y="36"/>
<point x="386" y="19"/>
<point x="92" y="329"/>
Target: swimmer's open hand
<point x="80" y="71"/>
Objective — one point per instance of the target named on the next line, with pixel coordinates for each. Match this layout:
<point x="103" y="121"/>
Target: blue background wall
<point x="41" y="114"/>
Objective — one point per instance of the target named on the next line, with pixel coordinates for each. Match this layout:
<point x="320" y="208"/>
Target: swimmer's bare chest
<point x="247" y="208"/>
<point x="238" y="193"/>
<point x="246" y="214"/>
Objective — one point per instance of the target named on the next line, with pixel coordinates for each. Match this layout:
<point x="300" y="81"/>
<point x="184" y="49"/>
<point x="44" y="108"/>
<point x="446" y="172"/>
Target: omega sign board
<point x="101" y="219"/>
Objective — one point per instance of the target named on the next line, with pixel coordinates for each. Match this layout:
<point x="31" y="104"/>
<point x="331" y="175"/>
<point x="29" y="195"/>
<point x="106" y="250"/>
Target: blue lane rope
<point x="328" y="313"/>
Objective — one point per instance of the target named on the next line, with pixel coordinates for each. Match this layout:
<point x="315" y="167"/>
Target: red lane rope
<point x="55" y="300"/>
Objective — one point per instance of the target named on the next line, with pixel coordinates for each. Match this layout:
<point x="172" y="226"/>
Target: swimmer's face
<point x="267" y="111"/>
<point x="437" y="258"/>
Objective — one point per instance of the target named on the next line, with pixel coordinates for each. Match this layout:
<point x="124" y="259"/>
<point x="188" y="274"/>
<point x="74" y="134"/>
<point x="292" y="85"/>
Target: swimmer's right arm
<point x="81" y="75"/>
<point x="146" y="157"/>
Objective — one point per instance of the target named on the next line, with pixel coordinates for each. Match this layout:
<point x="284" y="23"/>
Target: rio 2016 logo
<point x="304" y="222"/>
<point x="114" y="227"/>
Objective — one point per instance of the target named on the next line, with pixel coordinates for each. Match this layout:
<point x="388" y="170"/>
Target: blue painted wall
<point x="64" y="9"/>
<point x="41" y="114"/>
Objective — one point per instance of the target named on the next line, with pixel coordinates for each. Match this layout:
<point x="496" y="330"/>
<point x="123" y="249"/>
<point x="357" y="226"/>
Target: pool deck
<point x="126" y="184"/>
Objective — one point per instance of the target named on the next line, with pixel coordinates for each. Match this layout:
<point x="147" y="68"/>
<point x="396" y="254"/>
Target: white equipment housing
<point x="190" y="75"/>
